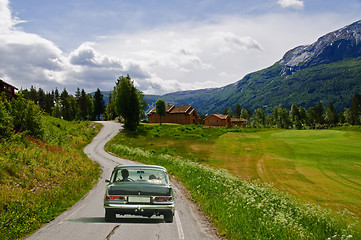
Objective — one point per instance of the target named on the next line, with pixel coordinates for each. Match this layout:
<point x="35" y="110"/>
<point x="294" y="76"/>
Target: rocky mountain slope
<point x="328" y="70"/>
<point x="333" y="47"/>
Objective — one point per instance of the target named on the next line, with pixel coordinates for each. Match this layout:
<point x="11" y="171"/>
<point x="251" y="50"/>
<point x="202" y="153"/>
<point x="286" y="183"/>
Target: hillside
<point x="328" y="70"/>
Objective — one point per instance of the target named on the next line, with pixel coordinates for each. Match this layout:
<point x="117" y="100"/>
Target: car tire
<point x="168" y="217"/>
<point x="109" y="216"/>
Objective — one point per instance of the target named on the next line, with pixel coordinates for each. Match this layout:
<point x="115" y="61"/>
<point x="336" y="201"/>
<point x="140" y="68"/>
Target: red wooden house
<point x="182" y="115"/>
<point x="217" y="120"/>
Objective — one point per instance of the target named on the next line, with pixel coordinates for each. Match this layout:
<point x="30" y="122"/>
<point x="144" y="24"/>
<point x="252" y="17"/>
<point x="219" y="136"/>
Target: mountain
<point x="333" y="47"/>
<point x="328" y="70"/>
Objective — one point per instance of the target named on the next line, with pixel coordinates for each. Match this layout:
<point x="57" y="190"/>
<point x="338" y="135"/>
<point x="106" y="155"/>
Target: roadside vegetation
<point x="260" y="183"/>
<point x="36" y="160"/>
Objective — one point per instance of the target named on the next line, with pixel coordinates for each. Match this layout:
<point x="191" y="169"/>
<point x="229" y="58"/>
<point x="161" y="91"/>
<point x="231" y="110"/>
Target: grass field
<point x="319" y="166"/>
<point x="309" y="164"/>
<point x="35" y="185"/>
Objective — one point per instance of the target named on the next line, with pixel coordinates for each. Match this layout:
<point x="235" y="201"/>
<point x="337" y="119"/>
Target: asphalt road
<point x="85" y="220"/>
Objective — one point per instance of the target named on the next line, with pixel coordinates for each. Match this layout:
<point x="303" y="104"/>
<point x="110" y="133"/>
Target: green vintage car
<point x="143" y="190"/>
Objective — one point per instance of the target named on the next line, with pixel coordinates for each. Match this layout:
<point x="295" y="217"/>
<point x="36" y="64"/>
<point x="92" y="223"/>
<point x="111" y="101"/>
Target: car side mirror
<point x="107" y="181"/>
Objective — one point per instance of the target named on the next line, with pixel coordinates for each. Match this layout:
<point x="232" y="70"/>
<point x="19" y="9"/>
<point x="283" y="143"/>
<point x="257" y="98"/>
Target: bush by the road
<point x="35" y="185"/>
<point x="20" y="115"/>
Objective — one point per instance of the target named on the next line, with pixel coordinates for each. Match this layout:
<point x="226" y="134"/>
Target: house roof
<point x="5" y="83"/>
<point x="238" y="120"/>
<point x="168" y="108"/>
<point x="220" y="116"/>
<point x="181" y="109"/>
<point x="171" y="109"/>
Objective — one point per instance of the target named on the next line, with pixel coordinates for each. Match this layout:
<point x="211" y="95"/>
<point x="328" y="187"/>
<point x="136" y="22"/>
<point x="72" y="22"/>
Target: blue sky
<point x="164" y="45"/>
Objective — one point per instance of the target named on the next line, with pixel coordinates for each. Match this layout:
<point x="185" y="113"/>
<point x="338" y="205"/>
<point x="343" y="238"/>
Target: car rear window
<point x="151" y="176"/>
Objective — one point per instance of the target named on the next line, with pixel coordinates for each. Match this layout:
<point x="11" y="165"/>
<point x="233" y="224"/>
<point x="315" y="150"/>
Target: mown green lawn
<point x="319" y="166"/>
<point x="304" y="163"/>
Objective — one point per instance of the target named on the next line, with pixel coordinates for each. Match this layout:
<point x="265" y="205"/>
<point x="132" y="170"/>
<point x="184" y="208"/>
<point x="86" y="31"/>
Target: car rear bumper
<point x="139" y="207"/>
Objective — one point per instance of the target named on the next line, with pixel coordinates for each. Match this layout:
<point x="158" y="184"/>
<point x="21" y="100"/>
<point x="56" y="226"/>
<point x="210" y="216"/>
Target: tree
<point x="160" y="109"/>
<point x="356" y="109"/>
<point x="229" y="112"/>
<point x="85" y="106"/>
<point x="281" y="117"/>
<point x="237" y="110"/>
<point x="331" y="116"/>
<point x="6" y="122"/>
<point x="259" y="117"/>
<point x="26" y="116"/>
<point x="49" y="102"/>
<point x="143" y="105"/>
<point x="99" y="106"/>
<point x="127" y="103"/>
<point x="347" y="115"/>
<point x="110" y="113"/>
<point x="245" y="114"/>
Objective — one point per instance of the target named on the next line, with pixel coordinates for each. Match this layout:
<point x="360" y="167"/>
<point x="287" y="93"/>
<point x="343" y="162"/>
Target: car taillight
<point x="162" y="199"/>
<point x="114" y="197"/>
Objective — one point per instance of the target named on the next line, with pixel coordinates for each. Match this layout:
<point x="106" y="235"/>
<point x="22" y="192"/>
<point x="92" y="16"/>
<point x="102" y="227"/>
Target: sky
<point x="164" y="45"/>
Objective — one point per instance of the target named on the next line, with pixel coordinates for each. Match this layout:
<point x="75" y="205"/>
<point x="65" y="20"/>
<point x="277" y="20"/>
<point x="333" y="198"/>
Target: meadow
<point x="261" y="184"/>
<point x="34" y="175"/>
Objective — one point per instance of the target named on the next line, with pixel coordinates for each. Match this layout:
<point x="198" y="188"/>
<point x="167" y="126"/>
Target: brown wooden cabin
<point x="8" y="89"/>
<point x="175" y="114"/>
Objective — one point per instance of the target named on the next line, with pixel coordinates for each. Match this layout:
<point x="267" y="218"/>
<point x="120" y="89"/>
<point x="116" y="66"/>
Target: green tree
<point x="99" y="105"/>
<point x="237" y="110"/>
<point x="110" y="113"/>
<point x="65" y="106"/>
<point x="127" y="103"/>
<point x="160" y="109"/>
<point x="56" y="109"/>
<point x="84" y="106"/>
<point x="41" y="99"/>
<point x="259" y="118"/>
<point x="6" y="121"/>
<point x="26" y="116"/>
<point x="49" y="102"/>
<point x="245" y="114"/>
<point x="143" y="105"/>
<point x="347" y="115"/>
<point x="331" y="115"/>
<point x="281" y="117"/>
<point x="356" y="109"/>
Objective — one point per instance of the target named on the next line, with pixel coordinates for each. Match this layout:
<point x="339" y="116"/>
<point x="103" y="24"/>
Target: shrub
<point x="26" y="116"/>
<point x="6" y="125"/>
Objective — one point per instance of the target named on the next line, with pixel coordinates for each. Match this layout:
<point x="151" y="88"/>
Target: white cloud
<point x="296" y="4"/>
<point x="228" y="41"/>
<point x="174" y="57"/>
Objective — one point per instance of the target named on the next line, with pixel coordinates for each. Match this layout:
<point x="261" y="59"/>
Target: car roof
<point x="153" y="167"/>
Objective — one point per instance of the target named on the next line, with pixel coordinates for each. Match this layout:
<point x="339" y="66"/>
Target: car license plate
<point x="136" y="199"/>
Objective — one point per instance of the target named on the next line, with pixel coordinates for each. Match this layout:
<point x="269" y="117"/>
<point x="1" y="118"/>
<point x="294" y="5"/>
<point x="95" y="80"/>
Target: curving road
<point x="85" y="220"/>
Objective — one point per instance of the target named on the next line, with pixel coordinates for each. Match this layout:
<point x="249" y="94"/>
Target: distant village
<point x="183" y="115"/>
<point x="188" y="115"/>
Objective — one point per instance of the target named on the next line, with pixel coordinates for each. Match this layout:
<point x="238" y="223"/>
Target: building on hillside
<point x="240" y="122"/>
<point x="8" y="89"/>
<point x="217" y="120"/>
<point x="175" y="114"/>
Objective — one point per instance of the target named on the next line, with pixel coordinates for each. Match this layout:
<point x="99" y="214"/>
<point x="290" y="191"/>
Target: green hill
<point x="336" y="82"/>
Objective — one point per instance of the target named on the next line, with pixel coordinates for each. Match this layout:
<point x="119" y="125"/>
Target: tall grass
<point x="34" y="175"/>
<point x="248" y="209"/>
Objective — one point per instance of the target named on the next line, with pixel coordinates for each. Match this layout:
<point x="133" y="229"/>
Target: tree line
<point x="126" y="103"/>
<point x="298" y="117"/>
<point x="82" y="106"/>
